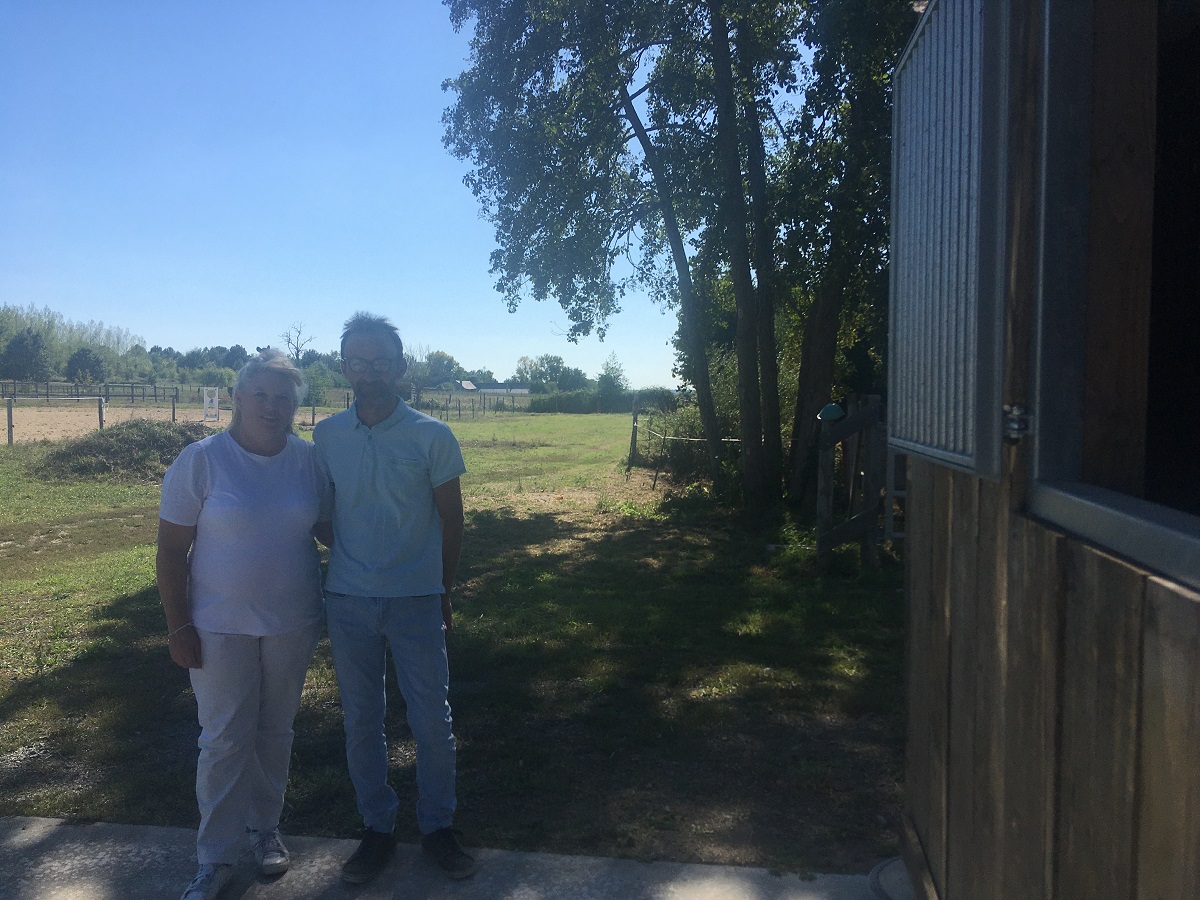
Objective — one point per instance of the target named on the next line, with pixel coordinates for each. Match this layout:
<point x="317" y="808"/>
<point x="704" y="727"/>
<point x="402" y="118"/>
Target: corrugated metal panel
<point x="946" y="253"/>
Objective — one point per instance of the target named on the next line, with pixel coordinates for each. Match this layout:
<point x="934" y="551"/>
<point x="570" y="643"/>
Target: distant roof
<point x="466" y="385"/>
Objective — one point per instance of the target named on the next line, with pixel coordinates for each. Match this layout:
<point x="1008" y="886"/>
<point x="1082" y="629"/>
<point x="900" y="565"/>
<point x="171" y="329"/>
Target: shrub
<point x="657" y="399"/>
<point x="685" y="459"/>
<point x="139" y="451"/>
<point x="583" y="401"/>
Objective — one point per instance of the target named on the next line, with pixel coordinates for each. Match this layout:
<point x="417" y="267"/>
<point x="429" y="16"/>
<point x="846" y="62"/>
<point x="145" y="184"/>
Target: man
<point x="397" y="534"/>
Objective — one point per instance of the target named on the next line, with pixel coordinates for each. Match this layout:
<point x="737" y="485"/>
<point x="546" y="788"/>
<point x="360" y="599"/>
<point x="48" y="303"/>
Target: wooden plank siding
<point x="1037" y="580"/>
<point x="1101" y="665"/>
<point x="928" y="647"/>
<point x="1168" y="836"/>
<point x="1054" y="709"/>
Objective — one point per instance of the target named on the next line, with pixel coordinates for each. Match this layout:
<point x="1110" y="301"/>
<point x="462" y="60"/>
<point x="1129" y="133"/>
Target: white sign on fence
<point x="212" y="411"/>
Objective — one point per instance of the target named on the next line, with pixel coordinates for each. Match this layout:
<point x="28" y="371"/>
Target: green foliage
<point x="139" y="450"/>
<point x="321" y="379"/>
<point x="25" y="358"/>
<point x="612" y="386"/>
<point x="572" y="379"/>
<point x="836" y="174"/>
<point x="213" y="376"/>
<point x="86" y="365"/>
<point x="687" y="459"/>
<point x="585" y="401"/>
<point x="575" y="402"/>
<point x="656" y="399"/>
<point x="235" y="357"/>
<point x="540" y="115"/>
<point x="547" y="373"/>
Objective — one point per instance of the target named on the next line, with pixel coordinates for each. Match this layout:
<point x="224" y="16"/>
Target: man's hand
<point x="447" y="612"/>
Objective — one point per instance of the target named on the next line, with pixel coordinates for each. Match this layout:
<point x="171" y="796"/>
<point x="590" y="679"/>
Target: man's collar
<point x="397" y="415"/>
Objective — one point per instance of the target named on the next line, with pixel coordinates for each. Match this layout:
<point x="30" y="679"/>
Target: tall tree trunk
<point x="733" y="213"/>
<point x="818" y="353"/>
<point x="691" y="319"/>
<point x="764" y="267"/>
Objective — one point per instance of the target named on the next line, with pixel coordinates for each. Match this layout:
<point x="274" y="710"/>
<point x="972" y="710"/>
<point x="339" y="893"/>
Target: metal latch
<point x="1016" y="423"/>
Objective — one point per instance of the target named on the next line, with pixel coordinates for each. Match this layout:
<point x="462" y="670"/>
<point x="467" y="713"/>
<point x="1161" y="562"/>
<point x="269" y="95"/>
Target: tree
<point x="25" y="358"/>
<point x="442" y="368"/>
<point x="479" y="376"/>
<point x="611" y="385"/>
<point x="234" y="358"/>
<point x="549" y="114"/>
<point x="295" y="341"/>
<point x="664" y="134"/>
<point x="836" y="204"/>
<point x="541" y="374"/>
<point x="86" y="365"/>
<point x="733" y="219"/>
<point x="572" y="379"/>
<point x="551" y="366"/>
<point x="135" y="364"/>
<point x="331" y="358"/>
<point x="196" y="358"/>
<point x="320" y="378"/>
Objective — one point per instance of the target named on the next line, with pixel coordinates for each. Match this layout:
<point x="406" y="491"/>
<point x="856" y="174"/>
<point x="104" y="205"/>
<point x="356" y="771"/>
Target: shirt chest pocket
<point x="406" y="474"/>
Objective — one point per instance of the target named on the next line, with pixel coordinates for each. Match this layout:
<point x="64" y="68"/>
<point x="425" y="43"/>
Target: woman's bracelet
<point x="171" y="634"/>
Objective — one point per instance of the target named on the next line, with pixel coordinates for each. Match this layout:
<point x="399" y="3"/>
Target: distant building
<point x="506" y="390"/>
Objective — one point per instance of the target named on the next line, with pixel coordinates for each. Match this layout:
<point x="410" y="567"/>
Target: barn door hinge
<point x="1016" y="423"/>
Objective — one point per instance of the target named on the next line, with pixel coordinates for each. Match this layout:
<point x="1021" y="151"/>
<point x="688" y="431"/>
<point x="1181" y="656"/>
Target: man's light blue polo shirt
<point x="387" y="532"/>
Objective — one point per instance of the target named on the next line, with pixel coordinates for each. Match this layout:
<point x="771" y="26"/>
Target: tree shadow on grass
<point x="112" y="728"/>
<point x="645" y="692"/>
<point x="639" y="690"/>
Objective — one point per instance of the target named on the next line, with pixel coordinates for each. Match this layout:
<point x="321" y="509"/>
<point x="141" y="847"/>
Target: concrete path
<point x="48" y="859"/>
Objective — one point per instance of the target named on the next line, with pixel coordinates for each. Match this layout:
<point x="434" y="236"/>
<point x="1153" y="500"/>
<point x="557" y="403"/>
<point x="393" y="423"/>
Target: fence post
<point x="172" y="410"/>
<point x="100" y="411"/>
<point x="633" y="450"/>
<point x="824" y="495"/>
<point x="9" y="404"/>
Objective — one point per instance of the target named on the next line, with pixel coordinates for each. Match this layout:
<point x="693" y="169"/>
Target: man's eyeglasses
<point x="381" y="366"/>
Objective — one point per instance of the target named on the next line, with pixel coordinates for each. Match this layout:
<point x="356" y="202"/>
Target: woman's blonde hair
<point x="275" y="362"/>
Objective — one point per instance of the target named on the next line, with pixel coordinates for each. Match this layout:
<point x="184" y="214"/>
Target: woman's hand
<point x="184" y="645"/>
<point x="171" y="566"/>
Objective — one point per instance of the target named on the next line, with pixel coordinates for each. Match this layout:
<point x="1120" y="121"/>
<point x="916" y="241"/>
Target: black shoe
<point x="442" y="845"/>
<point x="372" y="856"/>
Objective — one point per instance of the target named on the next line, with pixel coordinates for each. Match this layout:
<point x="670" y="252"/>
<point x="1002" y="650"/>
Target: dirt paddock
<point x="33" y="421"/>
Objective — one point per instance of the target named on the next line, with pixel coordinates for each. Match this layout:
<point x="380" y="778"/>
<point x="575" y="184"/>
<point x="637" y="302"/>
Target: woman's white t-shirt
<point x="253" y="568"/>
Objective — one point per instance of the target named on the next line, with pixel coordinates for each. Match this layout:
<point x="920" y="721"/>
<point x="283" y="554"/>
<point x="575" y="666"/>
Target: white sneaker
<point x="270" y="854"/>
<point x="208" y="882"/>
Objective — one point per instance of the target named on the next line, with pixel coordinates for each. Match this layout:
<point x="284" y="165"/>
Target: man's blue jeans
<point x="359" y="629"/>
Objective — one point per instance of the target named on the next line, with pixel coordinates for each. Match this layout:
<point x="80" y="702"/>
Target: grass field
<point x="634" y="673"/>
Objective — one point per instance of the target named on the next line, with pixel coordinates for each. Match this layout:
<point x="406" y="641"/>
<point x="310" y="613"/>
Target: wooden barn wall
<point x="1054" y="709"/>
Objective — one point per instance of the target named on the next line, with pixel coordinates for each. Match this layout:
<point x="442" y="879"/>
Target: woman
<point x="239" y="578"/>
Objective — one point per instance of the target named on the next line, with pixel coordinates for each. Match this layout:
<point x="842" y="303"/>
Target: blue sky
<point x="210" y="172"/>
